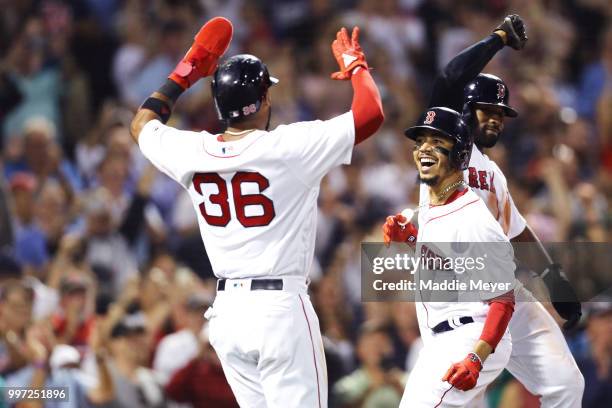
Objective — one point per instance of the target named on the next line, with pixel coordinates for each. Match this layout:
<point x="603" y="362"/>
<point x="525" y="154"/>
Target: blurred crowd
<point x="104" y="279"/>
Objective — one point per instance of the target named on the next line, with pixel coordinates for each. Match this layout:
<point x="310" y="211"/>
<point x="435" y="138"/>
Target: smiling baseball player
<point x="255" y="194"/>
<point x="540" y="359"/>
<point x="456" y="363"/>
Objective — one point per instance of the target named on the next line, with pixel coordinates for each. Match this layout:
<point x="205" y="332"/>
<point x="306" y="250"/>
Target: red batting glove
<point x="396" y="229"/>
<point x="348" y="53"/>
<point x="209" y="44"/>
<point x="464" y="374"/>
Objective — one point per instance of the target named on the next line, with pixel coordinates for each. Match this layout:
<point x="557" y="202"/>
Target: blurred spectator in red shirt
<point x="74" y="321"/>
<point x="202" y="382"/>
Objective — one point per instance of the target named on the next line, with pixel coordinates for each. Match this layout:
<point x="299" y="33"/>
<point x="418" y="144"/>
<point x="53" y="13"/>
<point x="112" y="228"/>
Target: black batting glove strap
<point x="514" y="27"/>
<point x="161" y="108"/>
<point x="562" y="295"/>
<point x="171" y="89"/>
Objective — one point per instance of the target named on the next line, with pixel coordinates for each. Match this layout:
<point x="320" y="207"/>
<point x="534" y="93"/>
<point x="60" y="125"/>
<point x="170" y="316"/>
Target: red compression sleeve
<point x="500" y="312"/>
<point x="367" y="106"/>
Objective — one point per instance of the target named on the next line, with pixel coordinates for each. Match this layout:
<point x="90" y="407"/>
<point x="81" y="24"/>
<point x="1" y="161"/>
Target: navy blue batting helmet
<point x="239" y="86"/>
<point x="448" y="123"/>
<point x="487" y="89"/>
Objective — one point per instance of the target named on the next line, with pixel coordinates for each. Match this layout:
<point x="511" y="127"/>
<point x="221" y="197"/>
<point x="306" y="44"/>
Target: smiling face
<point x="431" y="157"/>
<point x="490" y="125"/>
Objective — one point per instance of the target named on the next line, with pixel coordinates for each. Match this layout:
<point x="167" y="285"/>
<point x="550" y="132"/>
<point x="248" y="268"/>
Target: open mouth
<point x="427" y="162"/>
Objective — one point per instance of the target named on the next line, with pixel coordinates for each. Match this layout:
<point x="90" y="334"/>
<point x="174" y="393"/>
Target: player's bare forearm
<point x="536" y="255"/>
<point x="562" y="294"/>
<point x="145" y="115"/>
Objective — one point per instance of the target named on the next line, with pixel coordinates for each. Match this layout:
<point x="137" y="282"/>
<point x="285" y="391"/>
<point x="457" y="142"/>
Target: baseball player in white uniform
<point x="540" y="359"/>
<point x="457" y="361"/>
<point x="255" y="194"/>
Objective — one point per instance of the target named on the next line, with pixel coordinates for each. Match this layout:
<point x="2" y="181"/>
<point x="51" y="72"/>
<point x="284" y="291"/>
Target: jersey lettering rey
<point x="255" y="198"/>
<point x="487" y="180"/>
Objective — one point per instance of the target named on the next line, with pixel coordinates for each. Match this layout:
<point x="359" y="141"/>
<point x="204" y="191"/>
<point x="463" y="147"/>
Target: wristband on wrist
<point x="550" y="268"/>
<point x="161" y="108"/>
<point x="171" y="89"/>
<point x="475" y="358"/>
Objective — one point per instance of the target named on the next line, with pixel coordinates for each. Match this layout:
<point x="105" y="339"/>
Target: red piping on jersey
<point x="456" y="194"/>
<point x="443" y="215"/>
<point x="427" y="313"/>
<point x="443" y="395"/>
<point x="314" y="356"/>
<point x="235" y="155"/>
<point x="367" y="107"/>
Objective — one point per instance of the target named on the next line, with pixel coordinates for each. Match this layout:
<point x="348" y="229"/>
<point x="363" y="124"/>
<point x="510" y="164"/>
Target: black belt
<point x="257" y="284"/>
<point x="445" y="325"/>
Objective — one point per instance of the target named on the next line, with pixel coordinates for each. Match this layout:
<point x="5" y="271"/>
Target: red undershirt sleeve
<point x="500" y="312"/>
<point x="367" y="105"/>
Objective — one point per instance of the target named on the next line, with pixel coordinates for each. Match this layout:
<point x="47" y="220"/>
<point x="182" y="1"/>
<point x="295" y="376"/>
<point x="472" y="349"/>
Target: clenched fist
<point x="514" y="27"/>
<point x="398" y="229"/>
<point x="464" y="374"/>
<point x="209" y="44"/>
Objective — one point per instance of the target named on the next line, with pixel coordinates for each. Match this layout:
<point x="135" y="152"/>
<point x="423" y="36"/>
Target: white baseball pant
<point x="425" y="388"/>
<point x="541" y="359"/>
<point x="269" y="343"/>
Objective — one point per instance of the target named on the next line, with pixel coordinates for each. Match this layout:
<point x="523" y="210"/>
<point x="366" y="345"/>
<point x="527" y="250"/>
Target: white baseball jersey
<point x="488" y="181"/>
<point x="255" y="198"/>
<point x="540" y="358"/>
<point x="441" y="230"/>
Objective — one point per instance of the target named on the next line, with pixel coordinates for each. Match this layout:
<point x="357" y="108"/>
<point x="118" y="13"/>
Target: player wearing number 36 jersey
<point x="255" y="193"/>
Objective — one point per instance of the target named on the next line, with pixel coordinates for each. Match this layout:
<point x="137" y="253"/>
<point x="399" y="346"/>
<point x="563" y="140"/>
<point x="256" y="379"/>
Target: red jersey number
<point x="241" y="201"/>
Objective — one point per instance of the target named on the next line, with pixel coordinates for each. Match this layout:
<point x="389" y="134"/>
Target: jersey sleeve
<point x="168" y="148"/>
<point x="314" y="148"/>
<point x="448" y="88"/>
<point x="509" y="217"/>
<point x="517" y="221"/>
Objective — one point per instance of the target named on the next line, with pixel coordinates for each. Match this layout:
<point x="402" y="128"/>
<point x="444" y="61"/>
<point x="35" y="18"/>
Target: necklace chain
<point x="449" y="188"/>
<point x="242" y="132"/>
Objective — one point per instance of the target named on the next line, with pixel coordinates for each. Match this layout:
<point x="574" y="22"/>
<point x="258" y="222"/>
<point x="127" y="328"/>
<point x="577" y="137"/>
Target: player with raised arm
<point x="459" y="331"/>
<point x="540" y="357"/>
<point x="255" y="193"/>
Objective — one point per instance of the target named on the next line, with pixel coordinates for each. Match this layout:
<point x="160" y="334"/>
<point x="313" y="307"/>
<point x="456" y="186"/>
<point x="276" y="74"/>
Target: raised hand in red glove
<point x="398" y="229"/>
<point x="209" y="44"/>
<point x="348" y="53"/>
<point x="464" y="374"/>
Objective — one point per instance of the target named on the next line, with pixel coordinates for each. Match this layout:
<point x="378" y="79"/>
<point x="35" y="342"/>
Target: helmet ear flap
<point x="462" y="150"/>
<point x="469" y="116"/>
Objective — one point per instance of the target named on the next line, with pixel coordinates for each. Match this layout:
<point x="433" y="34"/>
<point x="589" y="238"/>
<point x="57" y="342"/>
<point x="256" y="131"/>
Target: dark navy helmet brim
<point x="412" y="132"/>
<point x="510" y="112"/>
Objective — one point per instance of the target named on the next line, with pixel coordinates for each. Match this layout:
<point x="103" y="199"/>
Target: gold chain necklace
<point x="242" y="132"/>
<point x="449" y="188"/>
